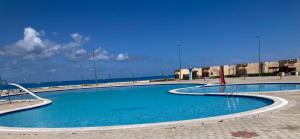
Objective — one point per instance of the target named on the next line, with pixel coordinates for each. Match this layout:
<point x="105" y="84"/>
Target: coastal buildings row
<point x="282" y="67"/>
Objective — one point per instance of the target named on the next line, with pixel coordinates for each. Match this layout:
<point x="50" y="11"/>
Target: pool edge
<point x="44" y="103"/>
<point x="278" y="103"/>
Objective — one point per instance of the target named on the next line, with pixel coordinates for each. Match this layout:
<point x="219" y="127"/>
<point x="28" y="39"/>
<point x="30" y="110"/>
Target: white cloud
<point x="73" y="50"/>
<point x="100" y="54"/>
<point x="32" y="46"/>
<point x="79" y="38"/>
<point x="78" y="41"/>
<point x="122" y="57"/>
<point x="76" y="54"/>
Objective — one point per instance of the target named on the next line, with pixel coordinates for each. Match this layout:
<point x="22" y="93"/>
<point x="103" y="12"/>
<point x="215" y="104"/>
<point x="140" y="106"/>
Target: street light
<point x="179" y="56"/>
<point x="259" y="64"/>
<point x="94" y="66"/>
<point x="109" y="76"/>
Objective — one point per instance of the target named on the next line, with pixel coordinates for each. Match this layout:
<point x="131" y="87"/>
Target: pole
<point x="95" y="73"/>
<point x="1" y="84"/>
<point x="132" y="78"/>
<point x="259" y="60"/>
<point x="81" y="76"/>
<point x="0" y="81"/>
<point x="81" y="80"/>
<point x="109" y="76"/>
<point x="179" y="56"/>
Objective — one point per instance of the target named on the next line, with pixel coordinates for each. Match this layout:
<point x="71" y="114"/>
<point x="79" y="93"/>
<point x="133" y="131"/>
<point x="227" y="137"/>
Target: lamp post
<point x="132" y="78"/>
<point x="81" y="77"/>
<point x="259" y="64"/>
<point x="0" y="82"/>
<point x="179" y="57"/>
<point x="94" y="66"/>
<point x="109" y="76"/>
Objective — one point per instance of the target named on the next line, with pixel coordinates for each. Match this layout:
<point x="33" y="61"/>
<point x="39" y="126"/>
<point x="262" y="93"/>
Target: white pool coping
<point x="44" y="102"/>
<point x="211" y="85"/>
<point x="277" y="103"/>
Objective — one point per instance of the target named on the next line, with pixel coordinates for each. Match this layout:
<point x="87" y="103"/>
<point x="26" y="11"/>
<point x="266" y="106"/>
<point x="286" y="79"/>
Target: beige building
<point x="229" y="70"/>
<point x="291" y="66"/>
<point x="197" y="73"/>
<point x="205" y="71"/>
<point x="271" y="67"/>
<point x="184" y="74"/>
<point x="252" y="68"/>
<point x="283" y="67"/>
<point x="214" y="71"/>
<point x="241" y="69"/>
<point x="297" y="65"/>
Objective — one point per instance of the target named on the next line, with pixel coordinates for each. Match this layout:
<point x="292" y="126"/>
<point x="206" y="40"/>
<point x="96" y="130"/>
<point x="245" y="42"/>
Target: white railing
<point x="26" y="90"/>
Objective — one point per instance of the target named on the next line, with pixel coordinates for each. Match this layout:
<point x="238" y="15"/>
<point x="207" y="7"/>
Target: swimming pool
<point x="126" y="106"/>
<point x="242" y="88"/>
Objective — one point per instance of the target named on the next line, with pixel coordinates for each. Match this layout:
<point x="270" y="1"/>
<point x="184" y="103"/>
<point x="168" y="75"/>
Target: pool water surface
<point x="126" y="106"/>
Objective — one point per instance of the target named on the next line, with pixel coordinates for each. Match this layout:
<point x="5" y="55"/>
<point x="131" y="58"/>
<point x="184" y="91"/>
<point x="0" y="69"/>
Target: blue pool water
<point x="243" y="88"/>
<point x="125" y="106"/>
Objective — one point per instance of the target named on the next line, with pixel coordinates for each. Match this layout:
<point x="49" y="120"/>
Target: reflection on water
<point x="232" y="103"/>
<point x="222" y="89"/>
<point x="243" y="88"/>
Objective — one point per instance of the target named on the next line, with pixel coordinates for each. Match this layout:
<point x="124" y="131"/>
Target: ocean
<point x="79" y="82"/>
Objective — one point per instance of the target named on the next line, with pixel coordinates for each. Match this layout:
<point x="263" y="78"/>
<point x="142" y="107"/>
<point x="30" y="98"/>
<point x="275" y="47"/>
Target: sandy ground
<point x="200" y="81"/>
<point x="277" y="124"/>
<point x="17" y="104"/>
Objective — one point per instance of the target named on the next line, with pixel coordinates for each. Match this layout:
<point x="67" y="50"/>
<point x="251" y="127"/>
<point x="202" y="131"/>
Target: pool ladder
<point x="232" y="90"/>
<point x="3" y="85"/>
<point x="232" y="101"/>
<point x="14" y="92"/>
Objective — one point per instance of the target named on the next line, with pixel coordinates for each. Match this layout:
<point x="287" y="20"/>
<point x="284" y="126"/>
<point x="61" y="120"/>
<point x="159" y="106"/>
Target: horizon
<point x="107" y="80"/>
<point x="44" y="41"/>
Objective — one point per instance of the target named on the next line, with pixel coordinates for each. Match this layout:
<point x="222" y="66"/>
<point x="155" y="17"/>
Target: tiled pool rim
<point x="175" y="91"/>
<point x="277" y="103"/>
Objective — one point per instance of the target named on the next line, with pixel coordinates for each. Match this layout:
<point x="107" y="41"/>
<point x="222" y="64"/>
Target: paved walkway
<point x="282" y="123"/>
<point x="17" y="104"/>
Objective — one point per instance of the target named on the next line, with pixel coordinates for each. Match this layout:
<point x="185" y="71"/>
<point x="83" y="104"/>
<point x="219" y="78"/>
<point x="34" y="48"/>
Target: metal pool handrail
<point x="4" y="83"/>
<point x="26" y="90"/>
<point x="232" y="90"/>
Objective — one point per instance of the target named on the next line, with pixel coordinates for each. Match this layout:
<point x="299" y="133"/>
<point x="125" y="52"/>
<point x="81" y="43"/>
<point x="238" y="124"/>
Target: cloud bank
<point x="100" y="54"/>
<point x="33" y="46"/>
<point x="73" y="50"/>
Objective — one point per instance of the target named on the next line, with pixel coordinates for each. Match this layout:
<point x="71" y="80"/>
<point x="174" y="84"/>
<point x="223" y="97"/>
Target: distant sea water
<point x="79" y="82"/>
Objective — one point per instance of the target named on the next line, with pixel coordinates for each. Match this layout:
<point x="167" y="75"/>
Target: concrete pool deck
<point x="279" y="123"/>
<point x="17" y="104"/>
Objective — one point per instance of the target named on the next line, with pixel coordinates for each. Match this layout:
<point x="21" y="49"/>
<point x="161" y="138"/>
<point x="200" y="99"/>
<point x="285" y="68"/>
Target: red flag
<point x="221" y="74"/>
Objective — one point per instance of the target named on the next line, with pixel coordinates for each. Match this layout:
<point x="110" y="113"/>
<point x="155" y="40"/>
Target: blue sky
<point x="43" y="40"/>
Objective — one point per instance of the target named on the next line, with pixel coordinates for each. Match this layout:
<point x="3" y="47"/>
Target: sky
<point x="53" y="40"/>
